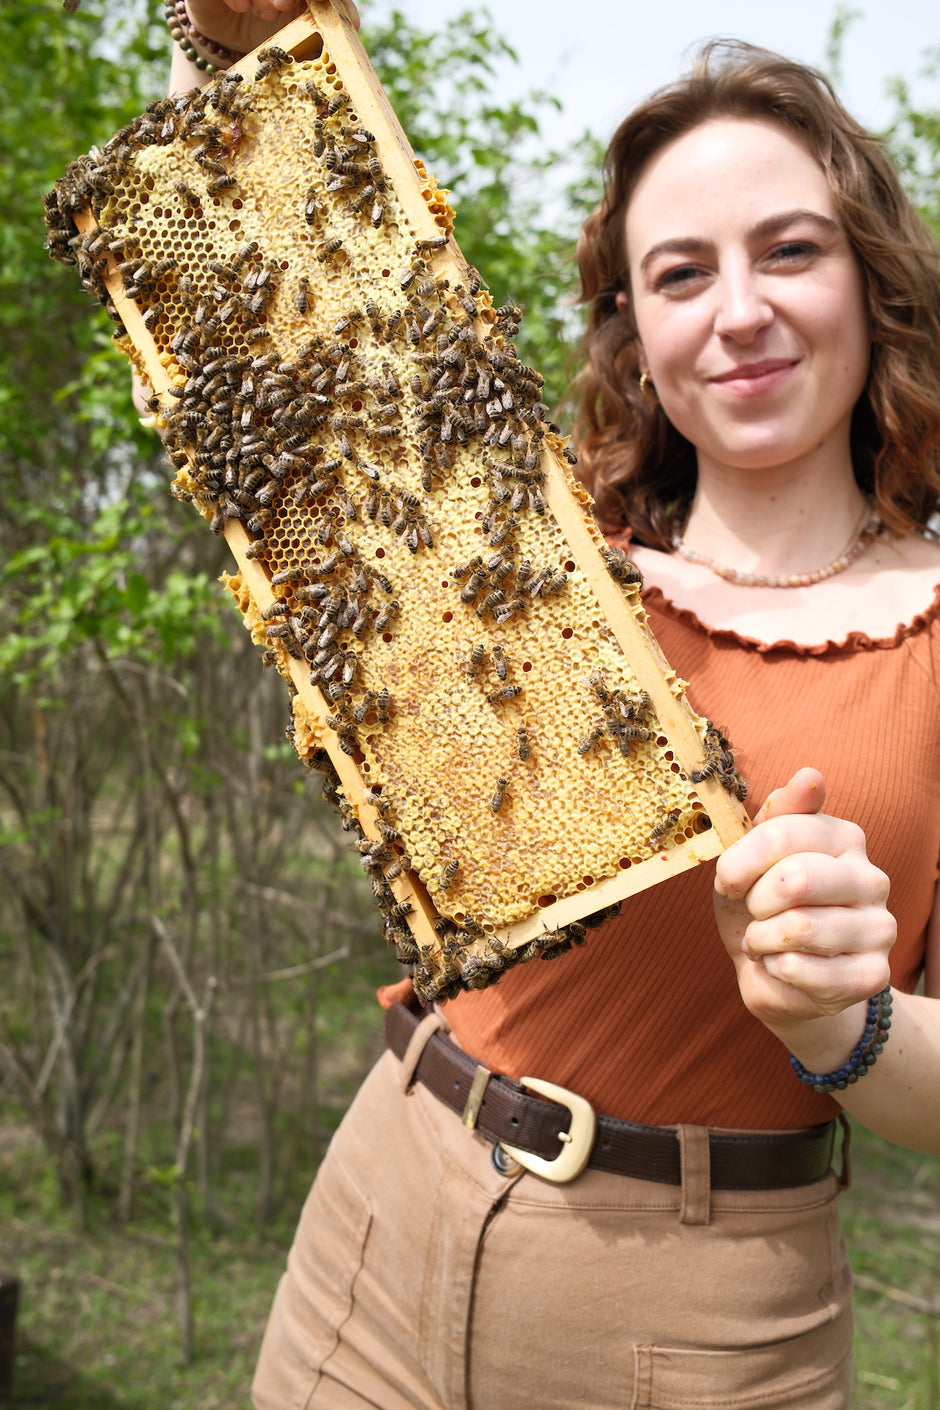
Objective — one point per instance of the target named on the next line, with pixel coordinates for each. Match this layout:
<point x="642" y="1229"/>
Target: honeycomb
<point x="468" y="665"/>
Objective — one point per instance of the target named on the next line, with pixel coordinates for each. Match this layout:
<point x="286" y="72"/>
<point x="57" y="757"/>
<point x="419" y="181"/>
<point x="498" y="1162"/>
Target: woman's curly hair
<point x="640" y="470"/>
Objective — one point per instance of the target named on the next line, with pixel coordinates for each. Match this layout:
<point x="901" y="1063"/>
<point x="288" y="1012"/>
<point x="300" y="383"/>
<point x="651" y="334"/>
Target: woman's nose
<point x="743" y="309"/>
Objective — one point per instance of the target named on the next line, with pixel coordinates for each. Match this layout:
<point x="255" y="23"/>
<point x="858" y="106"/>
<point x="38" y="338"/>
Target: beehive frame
<point x="496" y="721"/>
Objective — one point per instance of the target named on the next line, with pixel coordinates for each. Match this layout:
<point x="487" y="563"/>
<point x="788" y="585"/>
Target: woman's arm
<point x="803" y="914"/>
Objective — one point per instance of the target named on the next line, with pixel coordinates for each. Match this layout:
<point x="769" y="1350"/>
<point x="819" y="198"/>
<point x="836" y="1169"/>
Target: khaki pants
<point x="421" y="1277"/>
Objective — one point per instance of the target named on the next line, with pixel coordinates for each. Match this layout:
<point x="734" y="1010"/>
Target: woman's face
<point x="748" y="299"/>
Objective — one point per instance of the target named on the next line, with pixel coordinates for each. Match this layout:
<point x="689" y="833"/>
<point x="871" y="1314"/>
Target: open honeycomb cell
<point x="338" y="394"/>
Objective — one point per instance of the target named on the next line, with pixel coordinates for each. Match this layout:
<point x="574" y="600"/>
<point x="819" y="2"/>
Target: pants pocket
<point x="809" y="1372"/>
<point x="315" y="1295"/>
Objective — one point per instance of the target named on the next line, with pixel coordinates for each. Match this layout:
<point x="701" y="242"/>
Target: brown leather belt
<point x="508" y="1114"/>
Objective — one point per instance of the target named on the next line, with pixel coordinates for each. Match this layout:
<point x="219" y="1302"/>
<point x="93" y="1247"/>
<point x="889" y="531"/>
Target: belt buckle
<point x="576" y="1143"/>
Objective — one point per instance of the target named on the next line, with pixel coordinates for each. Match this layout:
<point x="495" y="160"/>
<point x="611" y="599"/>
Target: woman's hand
<point x="244" y="24"/>
<point x="803" y="914"/>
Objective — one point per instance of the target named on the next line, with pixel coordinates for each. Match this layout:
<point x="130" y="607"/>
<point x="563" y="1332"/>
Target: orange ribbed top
<point x="645" y="1019"/>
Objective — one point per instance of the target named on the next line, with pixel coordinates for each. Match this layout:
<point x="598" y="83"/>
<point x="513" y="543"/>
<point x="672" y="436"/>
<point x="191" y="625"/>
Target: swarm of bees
<point x="360" y="411"/>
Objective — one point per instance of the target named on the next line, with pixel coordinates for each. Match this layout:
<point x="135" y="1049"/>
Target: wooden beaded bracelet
<point x="187" y="36"/>
<point x="864" y="1055"/>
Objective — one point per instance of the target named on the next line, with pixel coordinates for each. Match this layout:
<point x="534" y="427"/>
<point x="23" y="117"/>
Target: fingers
<point x="802" y="910"/>
<point x="817" y="879"/>
<point x="780" y="838"/>
<point x="825" y="986"/>
<point x="826" y="931"/>
<point x="804" y="793"/>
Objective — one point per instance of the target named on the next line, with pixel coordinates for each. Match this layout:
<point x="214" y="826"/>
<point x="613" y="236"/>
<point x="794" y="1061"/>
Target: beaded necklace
<point x="866" y="530"/>
<point x="187" y="35"/>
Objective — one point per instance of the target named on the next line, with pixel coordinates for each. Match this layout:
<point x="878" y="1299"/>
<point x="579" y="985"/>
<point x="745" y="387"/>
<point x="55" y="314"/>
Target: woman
<point x="762" y="425"/>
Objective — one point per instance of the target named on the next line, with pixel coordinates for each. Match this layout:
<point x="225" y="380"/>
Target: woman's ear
<point x="622" y="301"/>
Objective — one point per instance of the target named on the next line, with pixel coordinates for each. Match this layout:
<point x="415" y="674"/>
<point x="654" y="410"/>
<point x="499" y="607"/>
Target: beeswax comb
<point x="468" y="663"/>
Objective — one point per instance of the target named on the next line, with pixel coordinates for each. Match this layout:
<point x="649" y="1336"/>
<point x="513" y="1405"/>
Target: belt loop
<point x="695" y="1162"/>
<point x="845" y="1174"/>
<point x="428" y="1026"/>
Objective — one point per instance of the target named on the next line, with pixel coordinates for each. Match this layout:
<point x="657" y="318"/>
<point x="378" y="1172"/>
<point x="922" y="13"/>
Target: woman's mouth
<point x="750" y="379"/>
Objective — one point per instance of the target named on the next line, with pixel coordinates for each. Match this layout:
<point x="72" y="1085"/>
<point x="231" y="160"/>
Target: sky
<point x="625" y="49"/>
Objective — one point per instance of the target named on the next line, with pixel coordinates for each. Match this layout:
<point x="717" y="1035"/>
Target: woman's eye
<point x="794" y="250"/>
<point x="676" y="278"/>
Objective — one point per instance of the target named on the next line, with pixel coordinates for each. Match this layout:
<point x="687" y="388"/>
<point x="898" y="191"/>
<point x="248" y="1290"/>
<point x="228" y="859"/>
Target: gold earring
<point x="647" y="388"/>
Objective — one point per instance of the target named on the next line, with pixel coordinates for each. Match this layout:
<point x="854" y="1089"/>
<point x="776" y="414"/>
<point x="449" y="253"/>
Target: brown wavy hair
<point x="638" y="467"/>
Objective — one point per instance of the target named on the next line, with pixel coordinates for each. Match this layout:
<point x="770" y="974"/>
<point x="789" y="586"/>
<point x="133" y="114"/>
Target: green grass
<point x="892" y="1226"/>
<point x="97" y="1328"/>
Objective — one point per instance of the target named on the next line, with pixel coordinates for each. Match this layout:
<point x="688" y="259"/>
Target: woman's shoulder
<point x="879" y="598"/>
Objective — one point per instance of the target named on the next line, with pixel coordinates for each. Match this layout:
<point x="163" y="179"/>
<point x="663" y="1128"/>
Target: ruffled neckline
<point x="655" y="598"/>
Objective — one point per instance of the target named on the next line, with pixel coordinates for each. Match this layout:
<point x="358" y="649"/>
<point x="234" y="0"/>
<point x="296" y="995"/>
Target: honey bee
<point x="499" y="794"/>
<point x="350" y="668"/>
<point x="436" y="242"/>
<point x="337" y="101"/>
<point x="218" y="184"/>
<point x="554" y="583"/>
<point x="329" y="247"/>
<point x="406" y="950"/>
<point x="719" y="762"/>
<point x="598" y="685"/>
<point x="475" y="660"/>
<point x="636" y="707"/>
<point x="501" y="532"/>
<point x="470" y="589"/>
<point x="430" y="286"/>
<point x="592" y="739"/>
<point x="490" y="603"/>
<point x="385" y="616"/>
<point x="380" y="578"/>
<point x="382" y="705"/>
<point x="302" y="295"/>
<point x="665" y="823"/>
<point x="620" y="568"/>
<point x="448" y="875"/>
<point x="503" y="692"/>
<point x="189" y="195"/>
<point x="364" y="706"/>
<point x="270" y="60"/>
<point x="523" y="748"/>
<point x="499" y="661"/>
<point x="631" y="732"/>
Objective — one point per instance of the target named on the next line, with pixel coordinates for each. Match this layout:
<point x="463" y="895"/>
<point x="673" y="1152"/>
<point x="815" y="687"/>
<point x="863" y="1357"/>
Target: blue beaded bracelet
<point x="864" y="1055"/>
